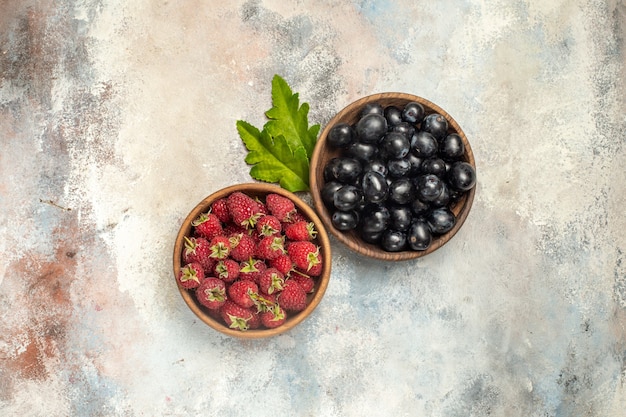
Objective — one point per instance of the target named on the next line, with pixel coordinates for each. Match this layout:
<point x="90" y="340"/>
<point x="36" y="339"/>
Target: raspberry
<point x="220" y="247"/>
<point x="275" y="316"/>
<point x="281" y="207"/>
<point x="235" y="316"/>
<point x="241" y="292"/>
<point x="306" y="282"/>
<point x="207" y="225"/>
<point x="292" y="297"/>
<point x="301" y="230"/>
<point x="304" y="254"/>
<point x="244" y="210"/>
<point x="251" y="269"/>
<point x="190" y="276"/>
<point x="243" y="246"/>
<point x="268" y="226"/>
<point x="211" y="293"/>
<point x="283" y="263"/>
<point x="271" y="280"/>
<point x="220" y="209"/>
<point x="227" y="270"/>
<point x="197" y="249"/>
<point x="270" y="247"/>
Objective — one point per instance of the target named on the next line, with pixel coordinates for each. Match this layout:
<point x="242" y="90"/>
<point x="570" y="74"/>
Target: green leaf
<point x="282" y="150"/>
<point x="290" y="119"/>
<point x="273" y="159"/>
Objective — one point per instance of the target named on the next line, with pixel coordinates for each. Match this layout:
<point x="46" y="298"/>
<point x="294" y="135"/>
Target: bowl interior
<point x="255" y="190"/>
<point x="324" y="153"/>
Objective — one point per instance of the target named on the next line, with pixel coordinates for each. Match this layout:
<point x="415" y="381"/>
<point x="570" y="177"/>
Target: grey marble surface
<point x="117" y="117"/>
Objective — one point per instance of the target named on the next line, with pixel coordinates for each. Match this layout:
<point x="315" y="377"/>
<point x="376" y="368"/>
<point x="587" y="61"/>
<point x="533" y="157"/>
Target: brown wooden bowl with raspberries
<point x="252" y="260"/>
<point x="393" y="176"/>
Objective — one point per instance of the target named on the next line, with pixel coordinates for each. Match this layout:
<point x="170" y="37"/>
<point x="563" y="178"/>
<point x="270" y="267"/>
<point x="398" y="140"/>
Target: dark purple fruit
<point x="462" y="176"/>
<point x="371" y="237"/>
<point x="405" y="128"/>
<point x="435" y="124"/>
<point x="340" y="135"/>
<point x="444" y="197"/>
<point x="418" y="207"/>
<point x="441" y="220"/>
<point x="371" y="108"/>
<point x="362" y="151"/>
<point x="429" y="187"/>
<point x="416" y="164"/>
<point x="376" y="165"/>
<point x="374" y="187"/>
<point x="401" y="191"/>
<point x="347" y="197"/>
<point x="400" y="217"/>
<point x="419" y="236"/>
<point x="413" y="112"/>
<point x="345" y="220"/>
<point x="393" y="241"/>
<point x="374" y="219"/>
<point x="328" y="193"/>
<point x="451" y="147"/>
<point x="455" y="195"/>
<point x="393" y="115"/>
<point x="424" y="144"/>
<point x="371" y="128"/>
<point x="347" y="170"/>
<point x="330" y="170"/>
<point x="435" y="166"/>
<point x="399" y="168"/>
<point x="394" y="145"/>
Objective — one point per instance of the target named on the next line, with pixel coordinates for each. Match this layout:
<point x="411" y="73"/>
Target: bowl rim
<point x="348" y="239"/>
<point x="322" y="239"/>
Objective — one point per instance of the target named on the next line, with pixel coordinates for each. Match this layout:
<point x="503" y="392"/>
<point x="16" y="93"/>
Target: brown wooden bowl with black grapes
<point x="393" y="176"/>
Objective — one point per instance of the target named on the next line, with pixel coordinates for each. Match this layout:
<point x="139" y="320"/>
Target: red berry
<point x="270" y="247"/>
<point x="243" y="209"/>
<point x="304" y="255"/>
<point x="220" y="247"/>
<point x="306" y="282"/>
<point x="243" y="246"/>
<point x="273" y="317"/>
<point x="231" y="229"/>
<point x="295" y="217"/>
<point x="227" y="270"/>
<point x="292" y="297"/>
<point x="255" y="320"/>
<point x="301" y="230"/>
<point x="220" y="209"/>
<point x="251" y="270"/>
<point x="190" y="276"/>
<point x="265" y="301"/>
<point x="235" y="316"/>
<point x="316" y="270"/>
<point x="271" y="281"/>
<point x="211" y="293"/>
<point x="207" y="225"/>
<point x="268" y="226"/>
<point x="279" y="206"/>
<point x="197" y="249"/>
<point x="283" y="263"/>
<point x="242" y="292"/>
<point x="261" y="207"/>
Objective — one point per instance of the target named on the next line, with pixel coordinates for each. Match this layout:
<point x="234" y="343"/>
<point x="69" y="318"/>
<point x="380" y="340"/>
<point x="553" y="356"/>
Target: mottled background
<point x="117" y="117"/>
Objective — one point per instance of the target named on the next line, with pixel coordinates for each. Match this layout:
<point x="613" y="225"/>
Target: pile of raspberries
<point x="251" y="263"/>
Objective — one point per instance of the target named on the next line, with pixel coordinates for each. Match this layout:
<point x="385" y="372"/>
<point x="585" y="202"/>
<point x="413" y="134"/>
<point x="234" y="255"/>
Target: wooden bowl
<point x="259" y="190"/>
<point x="323" y="153"/>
